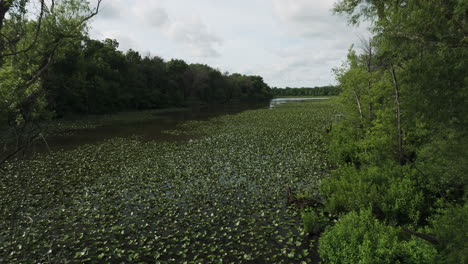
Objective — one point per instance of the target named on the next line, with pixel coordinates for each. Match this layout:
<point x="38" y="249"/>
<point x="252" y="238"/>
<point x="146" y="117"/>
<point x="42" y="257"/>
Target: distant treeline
<point x="316" y="91"/>
<point x="94" y="77"/>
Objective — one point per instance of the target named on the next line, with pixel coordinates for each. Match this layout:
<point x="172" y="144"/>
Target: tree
<point x="177" y="86"/>
<point x="31" y="34"/>
<point x="412" y="76"/>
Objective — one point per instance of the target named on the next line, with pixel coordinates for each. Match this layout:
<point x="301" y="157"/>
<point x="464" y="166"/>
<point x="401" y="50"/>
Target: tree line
<point x="49" y="67"/>
<point x="399" y="187"/>
<point x="329" y="90"/>
<point x="93" y="76"/>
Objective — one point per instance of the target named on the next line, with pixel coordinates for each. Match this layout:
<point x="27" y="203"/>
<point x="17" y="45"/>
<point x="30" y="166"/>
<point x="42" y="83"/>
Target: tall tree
<point x="31" y="34"/>
<point x="410" y="145"/>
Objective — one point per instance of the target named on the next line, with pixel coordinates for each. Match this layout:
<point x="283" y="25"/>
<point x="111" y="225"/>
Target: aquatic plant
<point x="219" y="198"/>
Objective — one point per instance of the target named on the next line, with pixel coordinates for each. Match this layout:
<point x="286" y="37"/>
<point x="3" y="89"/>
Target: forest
<point x="400" y="151"/>
<point x="94" y="77"/>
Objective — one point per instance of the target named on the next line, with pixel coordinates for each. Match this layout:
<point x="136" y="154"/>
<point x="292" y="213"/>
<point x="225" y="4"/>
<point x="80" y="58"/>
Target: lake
<point x="153" y="127"/>
<point x="278" y="101"/>
<point x="222" y="197"/>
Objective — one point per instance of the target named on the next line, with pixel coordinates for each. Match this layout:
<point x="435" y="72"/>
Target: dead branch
<point x="428" y="237"/>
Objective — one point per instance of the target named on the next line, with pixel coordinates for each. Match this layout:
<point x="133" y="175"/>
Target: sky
<point x="290" y="43"/>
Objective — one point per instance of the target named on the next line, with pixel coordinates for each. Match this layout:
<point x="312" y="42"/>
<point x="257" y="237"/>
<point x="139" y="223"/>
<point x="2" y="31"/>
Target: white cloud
<point x="195" y="34"/>
<point x="151" y="13"/>
<point x="109" y="11"/>
<point x="302" y="9"/>
<point x="288" y="42"/>
<point x="324" y="40"/>
<point x="312" y="19"/>
<point x="125" y="42"/>
<point x="190" y="33"/>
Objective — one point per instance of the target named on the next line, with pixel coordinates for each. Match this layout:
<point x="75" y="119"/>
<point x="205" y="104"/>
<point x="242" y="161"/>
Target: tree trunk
<point x="369" y="70"/>
<point x="4" y="7"/>
<point x="358" y="102"/>
<point x="398" y="115"/>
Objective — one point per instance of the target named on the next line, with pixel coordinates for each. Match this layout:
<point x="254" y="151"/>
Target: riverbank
<point x="221" y="197"/>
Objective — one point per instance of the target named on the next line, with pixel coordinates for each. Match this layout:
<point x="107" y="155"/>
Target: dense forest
<point x="305" y="91"/>
<point x="401" y="150"/>
<point x="95" y="77"/>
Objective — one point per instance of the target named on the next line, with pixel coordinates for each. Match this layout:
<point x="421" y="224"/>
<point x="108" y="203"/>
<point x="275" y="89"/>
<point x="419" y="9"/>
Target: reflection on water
<point x="152" y="128"/>
<point x="278" y="101"/>
<point x="147" y="130"/>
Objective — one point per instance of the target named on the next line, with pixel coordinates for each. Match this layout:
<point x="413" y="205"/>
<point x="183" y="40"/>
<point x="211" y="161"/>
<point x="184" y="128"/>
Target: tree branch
<point x="4" y="7"/>
<point x="429" y="238"/>
<point x="36" y="35"/>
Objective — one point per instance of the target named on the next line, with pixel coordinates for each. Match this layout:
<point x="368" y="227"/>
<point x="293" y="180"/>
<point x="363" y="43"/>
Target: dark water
<point x="152" y="128"/>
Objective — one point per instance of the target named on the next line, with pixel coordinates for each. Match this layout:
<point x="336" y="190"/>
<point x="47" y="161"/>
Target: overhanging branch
<point x="36" y="35"/>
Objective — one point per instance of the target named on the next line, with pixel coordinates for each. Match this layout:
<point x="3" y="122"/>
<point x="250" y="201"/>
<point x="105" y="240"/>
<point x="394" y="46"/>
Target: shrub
<point x="451" y="228"/>
<point x="344" y="143"/>
<point x="313" y="222"/>
<point x="361" y="238"/>
<point x="390" y="191"/>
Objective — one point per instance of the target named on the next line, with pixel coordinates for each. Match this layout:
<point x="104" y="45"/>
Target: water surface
<point x="154" y="127"/>
<point x="278" y="101"/>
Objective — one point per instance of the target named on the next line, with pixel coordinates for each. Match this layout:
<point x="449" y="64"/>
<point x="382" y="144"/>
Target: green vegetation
<point x="400" y="151"/>
<point x="313" y="223"/>
<point x="57" y="126"/>
<point x="381" y="177"/>
<point x="93" y="77"/>
<point x="49" y="67"/>
<point x="449" y="226"/>
<point x="361" y="238"/>
<point x="32" y="34"/>
<point x="221" y="197"/>
<point x="307" y="92"/>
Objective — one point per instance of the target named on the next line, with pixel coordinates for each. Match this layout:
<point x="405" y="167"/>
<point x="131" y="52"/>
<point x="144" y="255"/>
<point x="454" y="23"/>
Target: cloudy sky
<point x="291" y="43"/>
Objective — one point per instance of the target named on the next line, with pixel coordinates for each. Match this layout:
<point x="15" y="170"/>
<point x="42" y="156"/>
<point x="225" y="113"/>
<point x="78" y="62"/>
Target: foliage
<point x="391" y="192"/>
<point x="450" y="227"/>
<point x="400" y="150"/>
<point x="217" y="198"/>
<point x="313" y="222"/>
<point x="49" y="67"/>
<point x="360" y="238"/>
<point x="95" y="77"/>
<point x="31" y="35"/>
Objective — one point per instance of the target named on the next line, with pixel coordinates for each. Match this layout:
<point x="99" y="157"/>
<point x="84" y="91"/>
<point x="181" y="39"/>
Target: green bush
<point x="344" y="142"/>
<point x="313" y="222"/>
<point x="451" y="228"/>
<point x="391" y="192"/>
<point x="443" y="161"/>
<point x="361" y="238"/>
